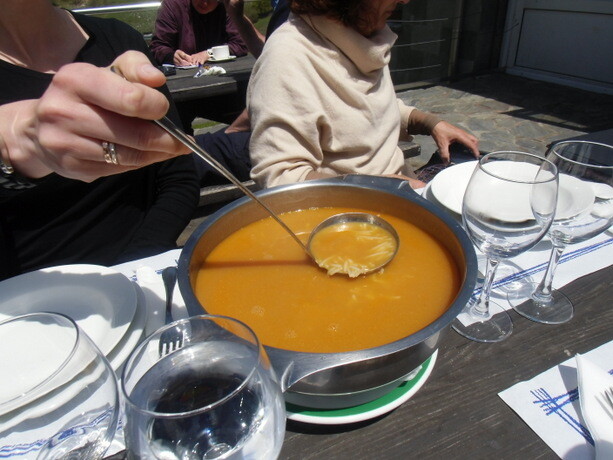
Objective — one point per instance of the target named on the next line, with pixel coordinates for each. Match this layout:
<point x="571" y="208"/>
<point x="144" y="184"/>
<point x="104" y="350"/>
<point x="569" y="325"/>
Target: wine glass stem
<point x="481" y="308"/>
<point x="542" y="293"/>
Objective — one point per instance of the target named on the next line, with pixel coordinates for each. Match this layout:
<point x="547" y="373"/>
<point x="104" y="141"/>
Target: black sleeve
<point x="177" y="194"/>
<point x="278" y="17"/>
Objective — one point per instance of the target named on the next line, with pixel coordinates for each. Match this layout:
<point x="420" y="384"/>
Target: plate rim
<point x="127" y="308"/>
<point x="441" y="176"/>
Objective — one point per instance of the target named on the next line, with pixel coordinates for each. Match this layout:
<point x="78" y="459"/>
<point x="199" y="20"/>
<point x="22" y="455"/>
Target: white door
<point x="563" y="41"/>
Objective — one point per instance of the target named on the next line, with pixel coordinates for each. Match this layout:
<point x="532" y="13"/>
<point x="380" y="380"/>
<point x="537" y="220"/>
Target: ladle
<point x="186" y="140"/>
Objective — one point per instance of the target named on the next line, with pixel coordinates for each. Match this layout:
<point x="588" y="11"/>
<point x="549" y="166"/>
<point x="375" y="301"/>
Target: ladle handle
<point x="167" y="124"/>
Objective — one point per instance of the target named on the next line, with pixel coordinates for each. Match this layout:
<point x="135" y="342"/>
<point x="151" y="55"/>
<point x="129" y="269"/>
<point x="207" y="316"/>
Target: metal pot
<point x="335" y="380"/>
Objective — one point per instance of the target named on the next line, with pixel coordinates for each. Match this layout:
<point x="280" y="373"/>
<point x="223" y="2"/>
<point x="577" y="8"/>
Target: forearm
<point x="421" y="122"/>
<point x="250" y="35"/>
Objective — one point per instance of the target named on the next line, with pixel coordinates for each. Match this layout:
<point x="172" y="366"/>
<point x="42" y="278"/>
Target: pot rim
<point x="392" y="186"/>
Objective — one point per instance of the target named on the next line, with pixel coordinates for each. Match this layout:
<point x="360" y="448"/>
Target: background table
<point x="214" y="97"/>
<point x="458" y="413"/>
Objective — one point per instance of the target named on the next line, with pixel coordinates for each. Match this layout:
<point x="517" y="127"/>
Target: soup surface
<point x="261" y="276"/>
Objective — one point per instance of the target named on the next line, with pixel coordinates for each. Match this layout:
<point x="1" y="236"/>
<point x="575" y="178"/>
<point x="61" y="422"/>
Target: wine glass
<point x="584" y="210"/>
<point x="507" y="208"/>
<point x="58" y="394"/>
<point x="215" y="397"/>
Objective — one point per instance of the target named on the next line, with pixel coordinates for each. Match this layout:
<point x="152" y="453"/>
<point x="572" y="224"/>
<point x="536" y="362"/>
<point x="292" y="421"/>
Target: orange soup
<point x="261" y="276"/>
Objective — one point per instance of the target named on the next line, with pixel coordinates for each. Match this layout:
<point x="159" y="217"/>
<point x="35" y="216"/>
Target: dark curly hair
<point x="351" y="13"/>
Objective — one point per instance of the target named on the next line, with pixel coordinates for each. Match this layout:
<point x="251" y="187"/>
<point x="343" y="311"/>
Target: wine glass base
<point x="558" y="311"/>
<point x="497" y="327"/>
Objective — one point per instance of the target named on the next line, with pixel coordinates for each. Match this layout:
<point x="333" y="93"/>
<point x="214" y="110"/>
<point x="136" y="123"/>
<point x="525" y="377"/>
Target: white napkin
<point x="549" y="404"/>
<point x="592" y="381"/>
<point x="210" y="70"/>
<point x="152" y="285"/>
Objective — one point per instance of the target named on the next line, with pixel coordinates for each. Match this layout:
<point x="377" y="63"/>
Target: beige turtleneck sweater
<point x="321" y="99"/>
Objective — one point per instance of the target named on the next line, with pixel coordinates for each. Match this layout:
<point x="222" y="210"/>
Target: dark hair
<point x="349" y="12"/>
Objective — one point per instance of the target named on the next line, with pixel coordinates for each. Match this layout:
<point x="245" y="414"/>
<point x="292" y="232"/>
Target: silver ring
<point x="110" y="153"/>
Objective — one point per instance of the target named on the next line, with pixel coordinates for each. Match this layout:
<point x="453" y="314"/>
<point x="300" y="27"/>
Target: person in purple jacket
<point x="185" y="29"/>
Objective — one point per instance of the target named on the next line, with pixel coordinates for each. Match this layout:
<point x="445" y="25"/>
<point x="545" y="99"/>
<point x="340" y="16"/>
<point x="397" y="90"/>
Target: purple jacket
<point x="180" y="26"/>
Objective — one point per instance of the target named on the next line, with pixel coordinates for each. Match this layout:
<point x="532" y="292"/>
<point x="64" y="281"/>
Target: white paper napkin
<point x="148" y="274"/>
<point x="549" y="404"/>
<point x="210" y="70"/>
<point x="593" y="381"/>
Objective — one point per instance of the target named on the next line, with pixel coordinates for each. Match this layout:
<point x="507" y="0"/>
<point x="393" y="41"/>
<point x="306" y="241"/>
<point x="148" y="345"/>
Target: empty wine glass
<point x="58" y="394"/>
<point x="215" y="397"/>
<point x="507" y="208"/>
<point x="584" y="210"/>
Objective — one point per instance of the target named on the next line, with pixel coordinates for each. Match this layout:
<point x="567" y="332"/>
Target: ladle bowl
<point x="344" y="220"/>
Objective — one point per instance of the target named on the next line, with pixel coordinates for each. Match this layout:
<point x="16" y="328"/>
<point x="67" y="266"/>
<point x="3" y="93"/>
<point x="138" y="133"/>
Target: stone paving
<point x="511" y="113"/>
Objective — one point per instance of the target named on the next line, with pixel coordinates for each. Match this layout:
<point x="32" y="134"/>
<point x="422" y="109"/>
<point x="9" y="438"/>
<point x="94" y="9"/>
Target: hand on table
<point x="181" y="58"/>
<point x="83" y="107"/>
<point x="445" y="134"/>
<point x="200" y="58"/>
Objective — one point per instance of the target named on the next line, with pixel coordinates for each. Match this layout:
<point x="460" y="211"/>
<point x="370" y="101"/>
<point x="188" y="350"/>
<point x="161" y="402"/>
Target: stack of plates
<point x="104" y="303"/>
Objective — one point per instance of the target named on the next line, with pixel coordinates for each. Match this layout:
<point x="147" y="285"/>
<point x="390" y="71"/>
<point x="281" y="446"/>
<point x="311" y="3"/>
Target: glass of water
<point x="58" y="393"/>
<point x="215" y="396"/>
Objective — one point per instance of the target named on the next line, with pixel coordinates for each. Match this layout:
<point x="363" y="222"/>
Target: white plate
<point x="366" y="411"/>
<point x="133" y="336"/>
<point x="574" y="197"/>
<point x="100" y="300"/>
<point x="229" y="58"/>
<point x="27" y="363"/>
<point x="449" y="185"/>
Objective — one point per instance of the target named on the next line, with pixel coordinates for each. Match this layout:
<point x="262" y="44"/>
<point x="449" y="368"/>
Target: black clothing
<point x="108" y="221"/>
<point x="232" y="150"/>
<point x="278" y="17"/>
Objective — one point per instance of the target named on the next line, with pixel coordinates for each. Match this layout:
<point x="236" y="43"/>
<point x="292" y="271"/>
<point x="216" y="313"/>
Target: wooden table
<point x="214" y="97"/>
<point x="184" y="87"/>
<point x="458" y="414"/>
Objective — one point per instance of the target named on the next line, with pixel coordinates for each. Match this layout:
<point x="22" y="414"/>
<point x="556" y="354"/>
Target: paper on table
<point x="549" y="404"/>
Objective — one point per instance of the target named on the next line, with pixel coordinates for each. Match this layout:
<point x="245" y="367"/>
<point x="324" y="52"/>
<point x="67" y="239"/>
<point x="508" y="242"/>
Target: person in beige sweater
<point x="322" y="102"/>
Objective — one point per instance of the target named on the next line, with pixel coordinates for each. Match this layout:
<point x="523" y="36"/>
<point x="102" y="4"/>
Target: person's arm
<point x="235" y="42"/>
<point x="414" y="121"/>
<point x="84" y="106"/>
<point x="240" y="123"/>
<point x="252" y="37"/>
<point x="165" y="40"/>
<point x="286" y="125"/>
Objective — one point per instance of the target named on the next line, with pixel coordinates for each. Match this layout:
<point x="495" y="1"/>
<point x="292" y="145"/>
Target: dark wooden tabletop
<point x="184" y="87"/>
<point x="458" y="413"/>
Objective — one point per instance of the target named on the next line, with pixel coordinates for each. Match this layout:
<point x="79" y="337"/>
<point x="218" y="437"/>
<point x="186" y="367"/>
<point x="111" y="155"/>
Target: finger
<point x="443" y="152"/>
<point x="87" y="84"/>
<point x="61" y="126"/>
<point x="136" y="67"/>
<point x="85" y="159"/>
